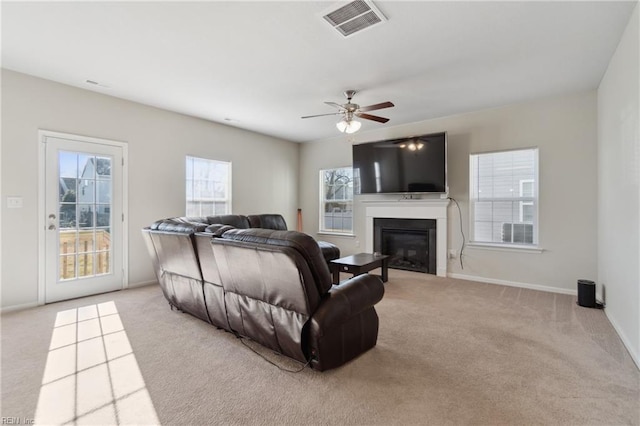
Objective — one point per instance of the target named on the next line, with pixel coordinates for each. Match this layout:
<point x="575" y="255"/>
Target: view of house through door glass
<point x="84" y="218"/>
<point x="85" y="215"/>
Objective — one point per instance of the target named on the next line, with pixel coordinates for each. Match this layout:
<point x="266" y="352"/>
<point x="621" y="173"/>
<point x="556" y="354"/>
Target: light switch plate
<point x="14" y="202"/>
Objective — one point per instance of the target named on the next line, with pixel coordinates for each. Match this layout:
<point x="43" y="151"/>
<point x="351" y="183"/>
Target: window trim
<point x="228" y="200"/>
<point x="525" y="202"/>
<point x="322" y="202"/>
<point x="511" y="247"/>
<point x="505" y="246"/>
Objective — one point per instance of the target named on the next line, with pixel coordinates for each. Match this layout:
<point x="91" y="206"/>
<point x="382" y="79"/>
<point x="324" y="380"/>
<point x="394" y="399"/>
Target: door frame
<point x="42" y="223"/>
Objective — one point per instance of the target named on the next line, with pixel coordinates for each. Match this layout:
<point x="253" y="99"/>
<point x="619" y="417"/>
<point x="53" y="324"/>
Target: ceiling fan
<point x="348" y="124"/>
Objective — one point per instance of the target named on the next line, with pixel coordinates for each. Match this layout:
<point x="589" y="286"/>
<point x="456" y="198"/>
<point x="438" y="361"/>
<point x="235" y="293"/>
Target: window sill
<point x="506" y="247"/>
<point x="336" y="234"/>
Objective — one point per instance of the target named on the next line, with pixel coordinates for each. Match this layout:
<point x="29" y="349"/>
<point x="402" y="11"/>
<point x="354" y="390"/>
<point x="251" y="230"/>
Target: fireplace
<point x="411" y="243"/>
<point x="435" y="209"/>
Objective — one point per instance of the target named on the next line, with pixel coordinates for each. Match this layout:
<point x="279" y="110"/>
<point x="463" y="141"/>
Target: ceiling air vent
<point x="354" y="16"/>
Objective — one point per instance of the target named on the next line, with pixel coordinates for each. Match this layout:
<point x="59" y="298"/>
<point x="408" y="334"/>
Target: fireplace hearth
<point x="411" y="243"/>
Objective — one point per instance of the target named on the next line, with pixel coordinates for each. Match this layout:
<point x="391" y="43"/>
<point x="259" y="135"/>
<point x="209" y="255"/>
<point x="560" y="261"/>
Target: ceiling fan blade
<point x="372" y="117"/>
<point x="322" y="115"/>
<point x="333" y="104"/>
<point x="377" y="106"/>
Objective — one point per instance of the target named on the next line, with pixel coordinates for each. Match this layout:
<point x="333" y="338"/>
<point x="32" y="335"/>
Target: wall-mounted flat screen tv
<point x="408" y="165"/>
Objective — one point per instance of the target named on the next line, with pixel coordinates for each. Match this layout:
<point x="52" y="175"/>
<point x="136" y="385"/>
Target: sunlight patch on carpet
<point x="91" y="375"/>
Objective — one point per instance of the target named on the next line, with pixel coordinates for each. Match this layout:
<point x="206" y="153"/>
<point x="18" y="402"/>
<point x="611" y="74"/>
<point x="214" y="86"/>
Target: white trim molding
<point x="625" y="341"/>
<point x="505" y="247"/>
<point x="507" y="283"/>
<point x="14" y="308"/>
<point x="142" y="284"/>
<point x="412" y="209"/>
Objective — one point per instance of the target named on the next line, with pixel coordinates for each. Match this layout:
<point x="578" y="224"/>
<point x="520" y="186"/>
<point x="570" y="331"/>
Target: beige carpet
<point x="449" y="352"/>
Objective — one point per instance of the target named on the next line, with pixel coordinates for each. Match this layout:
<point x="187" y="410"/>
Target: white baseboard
<point x="23" y="306"/>
<point x="625" y="340"/>
<point x="14" y="308"/>
<point x="142" y="284"/>
<point x="538" y="287"/>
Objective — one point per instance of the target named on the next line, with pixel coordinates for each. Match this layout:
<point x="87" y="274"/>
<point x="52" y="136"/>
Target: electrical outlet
<point x="14" y="202"/>
<point x="357" y="243"/>
<point x="453" y="254"/>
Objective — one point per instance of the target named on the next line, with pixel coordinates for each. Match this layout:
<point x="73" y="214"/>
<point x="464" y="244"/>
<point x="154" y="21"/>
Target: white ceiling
<point x="265" y="64"/>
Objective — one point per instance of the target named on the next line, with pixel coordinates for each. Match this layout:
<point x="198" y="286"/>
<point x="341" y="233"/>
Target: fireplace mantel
<point x="411" y="209"/>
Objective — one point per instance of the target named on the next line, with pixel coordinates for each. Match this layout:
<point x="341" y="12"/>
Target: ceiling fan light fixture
<point x="412" y="146"/>
<point x="350" y="126"/>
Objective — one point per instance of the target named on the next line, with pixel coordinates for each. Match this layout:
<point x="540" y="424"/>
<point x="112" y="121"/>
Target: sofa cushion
<point x="267" y="221"/>
<point x="236" y="220"/>
<point x="218" y="229"/>
<point x="330" y="251"/>
<point x="187" y="225"/>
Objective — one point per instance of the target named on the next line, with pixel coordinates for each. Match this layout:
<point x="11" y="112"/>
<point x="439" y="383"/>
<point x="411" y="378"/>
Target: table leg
<point x="385" y="266"/>
<point x="335" y="275"/>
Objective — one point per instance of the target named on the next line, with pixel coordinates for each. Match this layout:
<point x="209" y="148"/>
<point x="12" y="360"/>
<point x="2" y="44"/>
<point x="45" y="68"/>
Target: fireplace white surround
<point x="411" y="209"/>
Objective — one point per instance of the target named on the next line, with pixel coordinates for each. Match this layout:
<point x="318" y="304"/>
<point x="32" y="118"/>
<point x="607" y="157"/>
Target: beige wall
<point x="265" y="169"/>
<point x="563" y="128"/>
<point x="619" y="188"/>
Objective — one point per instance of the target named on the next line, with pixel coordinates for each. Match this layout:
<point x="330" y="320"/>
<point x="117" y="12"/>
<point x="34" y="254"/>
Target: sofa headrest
<point x="303" y="243"/>
<point x="236" y="220"/>
<point x="268" y="221"/>
<point x="218" y="229"/>
<point x="180" y="224"/>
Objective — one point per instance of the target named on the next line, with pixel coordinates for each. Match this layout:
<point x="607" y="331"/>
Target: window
<point x="208" y="187"/>
<point x="337" y="187"/>
<point x="504" y="197"/>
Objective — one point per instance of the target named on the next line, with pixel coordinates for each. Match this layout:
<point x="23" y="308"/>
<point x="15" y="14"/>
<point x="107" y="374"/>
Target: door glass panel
<point x="103" y="167"/>
<point x="104" y="191"/>
<point x="67" y="216"/>
<point x="85" y="242"/>
<point x="103" y="239"/>
<point x="102" y="259"/>
<point x="68" y="191"/>
<point x="86" y="169"/>
<point x="67" y="267"/>
<point x="103" y="215"/>
<point x="86" y="215"/>
<point x="85" y="264"/>
<point x="68" y="240"/>
<point x="86" y="191"/>
<point x="84" y="208"/>
<point x="68" y="162"/>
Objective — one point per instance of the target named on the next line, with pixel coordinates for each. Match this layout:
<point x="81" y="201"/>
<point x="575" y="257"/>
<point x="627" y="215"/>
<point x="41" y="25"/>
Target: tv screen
<point x="415" y="164"/>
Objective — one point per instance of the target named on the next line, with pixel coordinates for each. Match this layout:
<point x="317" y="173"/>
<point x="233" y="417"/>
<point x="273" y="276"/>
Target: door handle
<point x="52" y="223"/>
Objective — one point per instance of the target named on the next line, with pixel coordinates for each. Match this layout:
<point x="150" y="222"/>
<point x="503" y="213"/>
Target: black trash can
<point x="587" y="293"/>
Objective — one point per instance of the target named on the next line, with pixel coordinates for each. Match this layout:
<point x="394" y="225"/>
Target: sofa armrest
<point x="346" y="300"/>
<point x="345" y="324"/>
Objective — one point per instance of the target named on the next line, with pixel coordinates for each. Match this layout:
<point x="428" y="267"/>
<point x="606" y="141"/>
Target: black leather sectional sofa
<point x="270" y="285"/>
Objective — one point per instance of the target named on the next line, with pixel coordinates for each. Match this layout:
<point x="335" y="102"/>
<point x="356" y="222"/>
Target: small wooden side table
<point x="358" y="264"/>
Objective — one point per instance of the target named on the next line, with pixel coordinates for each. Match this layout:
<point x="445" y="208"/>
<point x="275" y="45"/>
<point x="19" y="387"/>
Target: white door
<point x="83" y="217"/>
